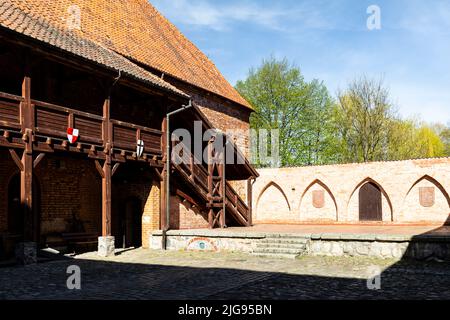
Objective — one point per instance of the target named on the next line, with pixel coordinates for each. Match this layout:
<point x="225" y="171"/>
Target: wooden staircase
<point x="204" y="186"/>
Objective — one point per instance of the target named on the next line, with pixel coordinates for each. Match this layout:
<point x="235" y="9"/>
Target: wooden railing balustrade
<point x="197" y="175"/>
<point x="51" y="121"/>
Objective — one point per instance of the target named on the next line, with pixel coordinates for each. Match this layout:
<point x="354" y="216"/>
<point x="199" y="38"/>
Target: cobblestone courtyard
<point x="146" y="274"/>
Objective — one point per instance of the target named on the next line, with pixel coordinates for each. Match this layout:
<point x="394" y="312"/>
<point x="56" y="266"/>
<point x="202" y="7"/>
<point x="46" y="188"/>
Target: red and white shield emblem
<point x="72" y="135"/>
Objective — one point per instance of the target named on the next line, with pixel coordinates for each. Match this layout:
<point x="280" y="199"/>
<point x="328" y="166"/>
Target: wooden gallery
<point x="86" y="92"/>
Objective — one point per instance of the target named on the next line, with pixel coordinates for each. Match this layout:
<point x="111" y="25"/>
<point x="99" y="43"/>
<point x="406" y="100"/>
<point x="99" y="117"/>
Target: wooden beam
<point x="16" y="159"/>
<point x="99" y="168"/>
<point x="106" y="199"/>
<point x="5" y="143"/>
<point x="163" y="192"/>
<point x="114" y="169"/>
<point x="158" y="174"/>
<point x="188" y="198"/>
<point x="26" y="174"/>
<point x="38" y="160"/>
<point x="211" y="218"/>
<point x="107" y="171"/>
<point x="249" y="202"/>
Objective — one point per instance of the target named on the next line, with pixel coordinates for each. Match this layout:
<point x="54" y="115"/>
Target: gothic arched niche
<point x="427" y="201"/>
<point x="272" y="203"/>
<point x="318" y="203"/>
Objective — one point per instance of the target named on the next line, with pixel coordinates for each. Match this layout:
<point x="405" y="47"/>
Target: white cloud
<point x="216" y="16"/>
<point x="221" y="16"/>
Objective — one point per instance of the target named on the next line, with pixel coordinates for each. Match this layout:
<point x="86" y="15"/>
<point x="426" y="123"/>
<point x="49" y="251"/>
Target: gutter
<point x="168" y="157"/>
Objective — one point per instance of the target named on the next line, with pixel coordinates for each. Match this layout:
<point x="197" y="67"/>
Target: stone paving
<point x="147" y="274"/>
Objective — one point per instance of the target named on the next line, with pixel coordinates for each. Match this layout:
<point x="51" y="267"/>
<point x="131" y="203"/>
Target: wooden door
<point x="370" y="203"/>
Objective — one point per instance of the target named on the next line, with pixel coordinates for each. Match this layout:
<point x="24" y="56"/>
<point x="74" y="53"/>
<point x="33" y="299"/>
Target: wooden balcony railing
<point x="10" y="111"/>
<point x="126" y="135"/>
<point x="52" y="121"/>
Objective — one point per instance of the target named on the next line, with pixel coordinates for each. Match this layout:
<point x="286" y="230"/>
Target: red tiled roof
<point x="135" y="29"/>
<point x="14" y="18"/>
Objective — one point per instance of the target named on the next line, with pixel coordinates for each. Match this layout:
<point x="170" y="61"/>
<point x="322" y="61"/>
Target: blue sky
<point x="330" y="41"/>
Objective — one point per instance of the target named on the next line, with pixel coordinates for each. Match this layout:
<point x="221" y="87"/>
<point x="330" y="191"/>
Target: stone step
<point x="276" y="250"/>
<point x="276" y="255"/>
<point x="299" y="246"/>
<point x="284" y="240"/>
<point x="287" y="236"/>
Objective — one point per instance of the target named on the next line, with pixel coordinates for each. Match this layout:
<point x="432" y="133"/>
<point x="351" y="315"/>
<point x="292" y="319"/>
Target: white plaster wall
<point x="307" y="211"/>
<point x="396" y="178"/>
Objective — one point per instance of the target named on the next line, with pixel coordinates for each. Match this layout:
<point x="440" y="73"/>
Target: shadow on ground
<point x="130" y="281"/>
<point x="103" y="279"/>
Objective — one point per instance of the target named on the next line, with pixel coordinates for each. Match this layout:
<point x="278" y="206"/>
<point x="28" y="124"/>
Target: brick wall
<point x="222" y="113"/>
<point x="7" y="170"/>
<point x="226" y="116"/>
<point x="287" y="194"/>
<point x="71" y="187"/>
<point x="68" y="188"/>
<point x="183" y="216"/>
<point x="151" y="214"/>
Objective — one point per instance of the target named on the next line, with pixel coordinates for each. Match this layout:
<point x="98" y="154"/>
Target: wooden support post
<point x="191" y="167"/>
<point x="26" y="175"/>
<point x="222" y="193"/>
<point x="163" y="186"/>
<point x="211" y="218"/>
<point x="107" y="174"/>
<point x="210" y="183"/>
<point x="106" y="196"/>
<point x="249" y="202"/>
<point x="210" y="168"/>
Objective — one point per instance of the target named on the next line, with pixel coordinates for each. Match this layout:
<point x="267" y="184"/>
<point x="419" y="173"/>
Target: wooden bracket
<point x="159" y="174"/>
<point x="99" y="168"/>
<point x="188" y="198"/>
<point x="16" y="159"/>
<point x="38" y="160"/>
<point x="114" y="169"/>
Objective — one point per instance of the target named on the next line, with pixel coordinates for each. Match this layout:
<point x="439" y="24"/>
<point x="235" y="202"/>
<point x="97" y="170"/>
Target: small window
<point x="318" y="199"/>
<point x="426" y="196"/>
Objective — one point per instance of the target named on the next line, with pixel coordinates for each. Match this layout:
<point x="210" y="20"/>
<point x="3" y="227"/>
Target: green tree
<point x="444" y="133"/>
<point x="429" y="143"/>
<point x="445" y="137"/>
<point x="300" y="110"/>
<point x="363" y="118"/>
<point x="411" y="139"/>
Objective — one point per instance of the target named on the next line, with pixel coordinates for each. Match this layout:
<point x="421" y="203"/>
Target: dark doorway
<point x="370" y="203"/>
<point x="132" y="223"/>
<point x="15" y="213"/>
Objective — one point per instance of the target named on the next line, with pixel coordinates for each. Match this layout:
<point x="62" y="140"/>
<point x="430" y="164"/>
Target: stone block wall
<point x="411" y="191"/>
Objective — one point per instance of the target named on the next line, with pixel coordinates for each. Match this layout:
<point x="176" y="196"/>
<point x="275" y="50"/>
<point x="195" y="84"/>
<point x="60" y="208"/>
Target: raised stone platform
<point x="420" y="242"/>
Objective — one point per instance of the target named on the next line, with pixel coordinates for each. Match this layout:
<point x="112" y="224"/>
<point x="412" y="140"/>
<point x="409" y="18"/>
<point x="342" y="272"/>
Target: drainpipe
<point x="168" y="140"/>
<point x="224" y="179"/>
